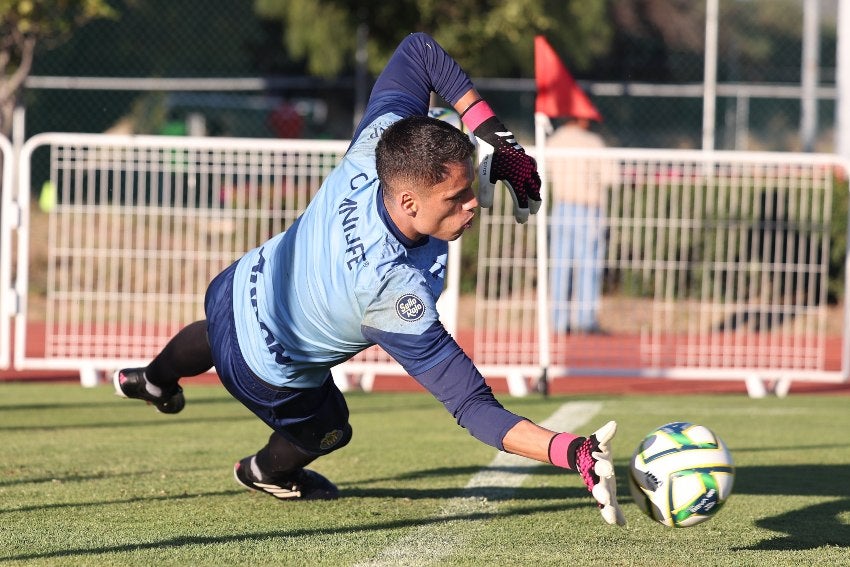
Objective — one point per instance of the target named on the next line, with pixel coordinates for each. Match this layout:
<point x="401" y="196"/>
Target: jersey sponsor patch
<point x="409" y="307"/>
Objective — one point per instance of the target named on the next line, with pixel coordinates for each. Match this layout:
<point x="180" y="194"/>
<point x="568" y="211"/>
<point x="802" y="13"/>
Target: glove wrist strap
<point x="476" y="113"/>
<point x="562" y="450"/>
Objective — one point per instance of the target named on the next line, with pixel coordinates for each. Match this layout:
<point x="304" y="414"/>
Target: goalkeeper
<point x="363" y="265"/>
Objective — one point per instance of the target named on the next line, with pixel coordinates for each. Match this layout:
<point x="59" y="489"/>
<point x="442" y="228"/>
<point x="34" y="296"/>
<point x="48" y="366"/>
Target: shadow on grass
<point x="106" y="403"/>
<point x="796" y="480"/>
<point x="810" y="527"/>
<point x="347" y="491"/>
<point x="76" y="477"/>
<point x="818" y="525"/>
<point x="109" y="423"/>
<point x="446" y="471"/>
<point x="128" y="500"/>
<point x="55" y="419"/>
<point x="193" y="400"/>
<point x="288" y="534"/>
<point x="489" y="493"/>
<point x="483" y="493"/>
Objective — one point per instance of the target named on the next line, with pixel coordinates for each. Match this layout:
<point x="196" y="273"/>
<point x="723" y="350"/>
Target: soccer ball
<point x="681" y="474"/>
<point x="452" y="117"/>
<point x="446" y="115"/>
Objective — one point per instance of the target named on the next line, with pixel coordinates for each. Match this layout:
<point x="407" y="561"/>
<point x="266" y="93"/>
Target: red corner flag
<point x="557" y="92"/>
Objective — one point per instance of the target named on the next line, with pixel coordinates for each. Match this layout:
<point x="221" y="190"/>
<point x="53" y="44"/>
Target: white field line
<point x="435" y="541"/>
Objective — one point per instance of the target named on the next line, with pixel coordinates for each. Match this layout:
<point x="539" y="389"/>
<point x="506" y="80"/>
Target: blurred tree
<point x="162" y="38"/>
<point x="763" y="41"/>
<point x="491" y="38"/>
<point x="152" y="38"/>
<point x="664" y="41"/>
<point x="631" y="40"/>
<point x="655" y="39"/>
<point x="26" y="23"/>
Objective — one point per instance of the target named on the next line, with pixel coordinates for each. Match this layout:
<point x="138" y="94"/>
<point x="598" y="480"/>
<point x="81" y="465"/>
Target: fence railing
<point x="8" y="220"/>
<point x="137" y="226"/>
<point x="667" y="263"/>
<point x="710" y="265"/>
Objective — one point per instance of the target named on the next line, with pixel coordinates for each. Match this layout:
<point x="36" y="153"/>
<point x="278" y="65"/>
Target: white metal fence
<point x="136" y="228"/>
<point x="8" y="218"/>
<point x="715" y="265"/>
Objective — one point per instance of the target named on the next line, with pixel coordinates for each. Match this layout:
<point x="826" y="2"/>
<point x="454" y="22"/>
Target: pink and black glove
<point x="501" y="158"/>
<point x="591" y="458"/>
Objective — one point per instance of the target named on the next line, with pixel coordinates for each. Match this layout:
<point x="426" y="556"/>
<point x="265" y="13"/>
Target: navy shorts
<point x="314" y="419"/>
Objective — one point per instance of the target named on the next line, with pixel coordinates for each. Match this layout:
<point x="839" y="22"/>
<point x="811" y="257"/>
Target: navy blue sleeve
<point x="418" y="67"/>
<point x="453" y="380"/>
<point x="415" y="353"/>
<point x="458" y="385"/>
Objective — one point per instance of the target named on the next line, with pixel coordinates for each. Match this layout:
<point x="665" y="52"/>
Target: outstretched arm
<point x="458" y="384"/>
<point x="420" y="66"/>
<point x="460" y="387"/>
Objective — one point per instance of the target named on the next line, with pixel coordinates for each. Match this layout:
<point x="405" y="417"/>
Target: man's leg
<point x="598" y="271"/>
<point x="589" y="268"/>
<point x="560" y="267"/>
<point x="186" y="354"/>
<point x="278" y="469"/>
<point x="307" y="424"/>
<point x="280" y="456"/>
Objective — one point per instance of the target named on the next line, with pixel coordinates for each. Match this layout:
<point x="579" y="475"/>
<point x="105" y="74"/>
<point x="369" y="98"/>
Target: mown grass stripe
<point x="461" y="516"/>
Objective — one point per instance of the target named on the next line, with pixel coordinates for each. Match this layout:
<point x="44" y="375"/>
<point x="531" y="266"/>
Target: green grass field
<point x="87" y="478"/>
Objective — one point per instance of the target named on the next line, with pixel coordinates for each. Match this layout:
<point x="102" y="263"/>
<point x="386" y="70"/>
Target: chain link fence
<point x="183" y="78"/>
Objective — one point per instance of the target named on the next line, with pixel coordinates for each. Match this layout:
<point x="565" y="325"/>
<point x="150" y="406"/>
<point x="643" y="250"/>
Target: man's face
<point x="447" y="209"/>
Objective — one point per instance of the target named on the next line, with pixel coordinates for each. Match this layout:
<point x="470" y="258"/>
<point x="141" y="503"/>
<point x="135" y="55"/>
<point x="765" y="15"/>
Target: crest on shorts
<point x="330" y="439"/>
<point x="409" y="307"/>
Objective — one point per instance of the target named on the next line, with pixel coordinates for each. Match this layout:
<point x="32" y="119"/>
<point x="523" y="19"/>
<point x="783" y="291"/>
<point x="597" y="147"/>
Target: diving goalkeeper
<point x="363" y="265"/>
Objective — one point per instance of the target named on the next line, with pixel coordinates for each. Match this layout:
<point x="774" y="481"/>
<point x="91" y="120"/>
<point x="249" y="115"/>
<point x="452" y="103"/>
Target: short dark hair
<point x="417" y="149"/>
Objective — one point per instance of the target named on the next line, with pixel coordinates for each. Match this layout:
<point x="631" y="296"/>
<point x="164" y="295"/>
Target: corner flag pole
<point x="558" y="94"/>
<point x="541" y="126"/>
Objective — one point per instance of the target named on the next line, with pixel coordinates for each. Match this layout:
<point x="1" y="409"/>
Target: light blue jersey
<point x="300" y="303"/>
<point x="343" y="278"/>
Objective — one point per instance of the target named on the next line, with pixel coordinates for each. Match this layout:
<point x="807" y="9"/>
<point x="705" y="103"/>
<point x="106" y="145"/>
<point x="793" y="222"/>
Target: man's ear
<point x="408" y="203"/>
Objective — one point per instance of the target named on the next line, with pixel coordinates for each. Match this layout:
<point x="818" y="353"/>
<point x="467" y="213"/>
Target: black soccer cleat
<point x="300" y="484"/>
<point x="132" y="383"/>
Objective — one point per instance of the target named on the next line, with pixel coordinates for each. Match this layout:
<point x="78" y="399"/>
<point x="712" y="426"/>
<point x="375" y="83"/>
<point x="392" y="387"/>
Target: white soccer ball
<point x="452" y="117"/>
<point x="681" y="474"/>
<point x="446" y="115"/>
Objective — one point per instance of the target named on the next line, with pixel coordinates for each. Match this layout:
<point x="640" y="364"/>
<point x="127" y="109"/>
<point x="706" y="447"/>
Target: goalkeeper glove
<point x="591" y="458"/>
<point x="501" y="158"/>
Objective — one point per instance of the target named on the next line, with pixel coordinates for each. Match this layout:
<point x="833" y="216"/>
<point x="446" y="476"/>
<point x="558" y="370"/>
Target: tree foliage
<point x="644" y="40"/>
<point x="488" y="37"/>
<point x="664" y="41"/>
<point x="25" y="23"/>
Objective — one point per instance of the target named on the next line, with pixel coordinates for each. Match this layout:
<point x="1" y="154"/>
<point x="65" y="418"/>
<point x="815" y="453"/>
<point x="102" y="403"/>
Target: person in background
<point x="578" y="225"/>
